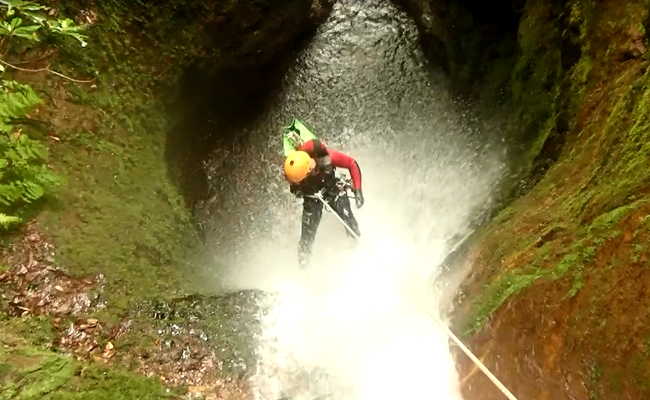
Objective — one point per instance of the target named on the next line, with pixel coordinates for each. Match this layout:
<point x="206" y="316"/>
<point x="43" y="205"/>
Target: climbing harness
<point x="342" y="185"/>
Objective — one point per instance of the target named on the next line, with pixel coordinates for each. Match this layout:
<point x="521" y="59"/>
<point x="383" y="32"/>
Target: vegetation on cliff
<point x="24" y="176"/>
<point x="558" y="278"/>
<point x="94" y="222"/>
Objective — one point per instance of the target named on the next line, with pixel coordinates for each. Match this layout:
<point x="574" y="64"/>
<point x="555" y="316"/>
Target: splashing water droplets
<point x="360" y="322"/>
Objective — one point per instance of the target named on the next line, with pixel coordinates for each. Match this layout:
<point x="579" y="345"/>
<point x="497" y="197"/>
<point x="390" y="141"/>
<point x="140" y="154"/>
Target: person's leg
<point x="312" y="210"/>
<point x="341" y="206"/>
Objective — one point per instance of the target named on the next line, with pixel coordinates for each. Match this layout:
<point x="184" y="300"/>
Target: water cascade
<point x="361" y="322"/>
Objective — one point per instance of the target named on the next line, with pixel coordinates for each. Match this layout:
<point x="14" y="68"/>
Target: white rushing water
<point x="361" y="322"/>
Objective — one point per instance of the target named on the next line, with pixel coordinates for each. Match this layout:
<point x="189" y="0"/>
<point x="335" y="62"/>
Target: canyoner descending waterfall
<point x="360" y="322"/>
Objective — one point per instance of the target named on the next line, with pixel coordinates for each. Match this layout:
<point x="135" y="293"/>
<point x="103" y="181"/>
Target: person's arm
<point x="315" y="148"/>
<point x="341" y="160"/>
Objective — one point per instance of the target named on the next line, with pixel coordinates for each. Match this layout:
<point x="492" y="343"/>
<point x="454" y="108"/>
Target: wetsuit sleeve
<point x="341" y="160"/>
<point x="315" y="148"/>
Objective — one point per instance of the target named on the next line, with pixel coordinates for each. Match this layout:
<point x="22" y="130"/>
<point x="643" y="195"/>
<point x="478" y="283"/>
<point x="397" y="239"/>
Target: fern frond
<point x="10" y="193"/>
<point x="16" y="101"/>
<point x="6" y="221"/>
<point x="32" y="191"/>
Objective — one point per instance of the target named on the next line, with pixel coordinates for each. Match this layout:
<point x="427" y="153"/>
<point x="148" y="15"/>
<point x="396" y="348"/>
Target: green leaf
<point x="36" y="17"/>
<point x="22" y="5"/>
<point x="29" y="6"/>
<point x="67" y="27"/>
<point x="5" y="28"/>
<point x="16" y="101"/>
<point x="10" y="193"/>
<point x="32" y="191"/>
<point x="15" y="23"/>
<point x="7" y="221"/>
<point x="27" y="32"/>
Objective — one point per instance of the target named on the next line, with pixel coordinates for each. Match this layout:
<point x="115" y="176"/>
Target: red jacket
<point x="317" y="150"/>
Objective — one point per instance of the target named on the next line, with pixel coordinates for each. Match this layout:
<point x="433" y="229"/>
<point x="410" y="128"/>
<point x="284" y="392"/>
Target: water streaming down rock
<point x="360" y="323"/>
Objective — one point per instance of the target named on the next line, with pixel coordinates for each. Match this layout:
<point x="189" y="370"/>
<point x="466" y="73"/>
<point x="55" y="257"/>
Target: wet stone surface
<point x="204" y="343"/>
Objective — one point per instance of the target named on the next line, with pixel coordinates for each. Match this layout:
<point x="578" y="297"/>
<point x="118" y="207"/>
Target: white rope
<point x="319" y="196"/>
<point x="479" y="364"/>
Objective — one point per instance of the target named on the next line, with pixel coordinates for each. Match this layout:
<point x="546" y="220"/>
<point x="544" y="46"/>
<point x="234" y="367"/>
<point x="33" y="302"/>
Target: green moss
<point x="594" y="379"/>
<point x="36" y="329"/>
<point x="573" y="264"/>
<point x="100" y="383"/>
<point x="646" y="222"/>
<point x="535" y="82"/>
<point x="579" y="82"/>
<point x="34" y="374"/>
<point x="496" y="293"/>
<point x="29" y="370"/>
<point x="120" y="214"/>
<point x="606" y="222"/>
<point x="578" y="282"/>
<point x="577" y="258"/>
<point x="29" y="373"/>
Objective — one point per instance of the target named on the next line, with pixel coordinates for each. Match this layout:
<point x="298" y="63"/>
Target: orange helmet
<point x="297" y="166"/>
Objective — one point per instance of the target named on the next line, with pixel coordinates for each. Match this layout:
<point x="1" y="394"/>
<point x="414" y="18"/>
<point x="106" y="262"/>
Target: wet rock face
<point x="364" y="86"/>
<point x="467" y="37"/>
<point x="478" y="45"/>
<point x="246" y="44"/>
<point x="252" y="33"/>
<point x="206" y="344"/>
<point x="554" y="302"/>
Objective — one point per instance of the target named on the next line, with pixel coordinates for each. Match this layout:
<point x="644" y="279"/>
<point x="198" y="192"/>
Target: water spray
<point x="361" y="315"/>
<point x="450" y="334"/>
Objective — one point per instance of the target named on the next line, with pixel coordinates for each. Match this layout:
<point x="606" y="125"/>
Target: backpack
<point x="294" y="135"/>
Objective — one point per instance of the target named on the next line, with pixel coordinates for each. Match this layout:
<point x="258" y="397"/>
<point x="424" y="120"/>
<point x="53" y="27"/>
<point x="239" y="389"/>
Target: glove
<point x="358" y="196"/>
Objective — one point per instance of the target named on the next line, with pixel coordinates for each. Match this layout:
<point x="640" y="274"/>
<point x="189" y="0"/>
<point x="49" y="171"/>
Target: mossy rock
<point x="29" y="371"/>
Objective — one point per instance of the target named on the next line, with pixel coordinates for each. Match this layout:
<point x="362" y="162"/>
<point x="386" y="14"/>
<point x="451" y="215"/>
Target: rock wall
<point x="556" y="302"/>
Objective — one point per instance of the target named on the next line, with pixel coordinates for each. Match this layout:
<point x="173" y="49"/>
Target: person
<point x="310" y="169"/>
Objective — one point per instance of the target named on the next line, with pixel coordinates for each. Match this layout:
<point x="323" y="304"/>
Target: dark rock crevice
<point x="219" y="95"/>
<point x="467" y="38"/>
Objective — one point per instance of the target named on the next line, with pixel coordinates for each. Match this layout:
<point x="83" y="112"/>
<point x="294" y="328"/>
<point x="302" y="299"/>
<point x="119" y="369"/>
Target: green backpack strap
<point x="288" y="137"/>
